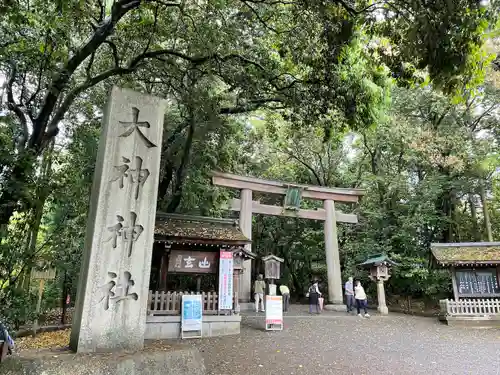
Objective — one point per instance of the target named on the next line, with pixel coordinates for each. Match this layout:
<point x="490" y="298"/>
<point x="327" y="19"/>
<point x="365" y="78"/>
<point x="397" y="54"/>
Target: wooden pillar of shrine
<point x="236" y="285"/>
<point x="245" y="284"/>
<point x="332" y="256"/>
<point x="163" y="272"/>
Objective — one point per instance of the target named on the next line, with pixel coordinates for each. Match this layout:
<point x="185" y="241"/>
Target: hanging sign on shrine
<point x="292" y="198"/>
<point x="185" y="261"/>
<point x="226" y="280"/>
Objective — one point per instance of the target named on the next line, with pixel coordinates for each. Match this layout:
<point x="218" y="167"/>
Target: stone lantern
<point x="272" y="271"/>
<point x="379" y="266"/>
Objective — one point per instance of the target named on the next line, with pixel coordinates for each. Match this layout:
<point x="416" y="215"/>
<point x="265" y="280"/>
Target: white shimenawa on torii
<point x="291" y="208"/>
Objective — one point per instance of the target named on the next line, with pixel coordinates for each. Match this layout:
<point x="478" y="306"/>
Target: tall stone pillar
<point x="335" y="299"/>
<point x="246" y="228"/>
<point x="111" y="303"/>
<point x="382" y="307"/>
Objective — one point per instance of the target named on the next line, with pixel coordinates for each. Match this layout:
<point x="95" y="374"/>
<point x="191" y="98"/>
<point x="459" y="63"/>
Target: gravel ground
<point x="334" y="343"/>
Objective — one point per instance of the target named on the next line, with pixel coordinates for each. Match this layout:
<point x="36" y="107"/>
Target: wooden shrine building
<point x="186" y="261"/>
<point x="475" y="276"/>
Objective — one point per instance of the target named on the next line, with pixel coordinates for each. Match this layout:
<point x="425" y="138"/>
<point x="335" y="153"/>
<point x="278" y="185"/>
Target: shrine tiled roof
<point x="466" y="253"/>
<point x="186" y="228"/>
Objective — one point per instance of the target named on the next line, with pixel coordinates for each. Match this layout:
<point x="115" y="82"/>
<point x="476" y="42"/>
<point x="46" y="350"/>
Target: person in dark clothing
<point x="314" y="294"/>
<point x="6" y="339"/>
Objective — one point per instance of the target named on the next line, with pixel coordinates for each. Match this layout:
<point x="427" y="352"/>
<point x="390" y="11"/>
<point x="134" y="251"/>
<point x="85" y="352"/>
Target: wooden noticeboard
<point x="48" y="274"/>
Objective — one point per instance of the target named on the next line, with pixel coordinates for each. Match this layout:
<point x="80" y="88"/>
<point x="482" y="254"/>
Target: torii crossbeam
<point x="293" y="193"/>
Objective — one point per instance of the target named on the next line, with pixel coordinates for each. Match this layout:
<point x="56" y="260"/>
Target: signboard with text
<point x="185" y="261"/>
<point x="274" y="313"/>
<point x="191" y="315"/>
<point x="226" y="280"/>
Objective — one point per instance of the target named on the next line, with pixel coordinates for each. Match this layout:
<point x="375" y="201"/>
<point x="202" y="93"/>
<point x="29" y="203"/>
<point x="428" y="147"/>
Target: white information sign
<point x="226" y="280"/>
<point x="274" y="313"/>
<point x="192" y="315"/>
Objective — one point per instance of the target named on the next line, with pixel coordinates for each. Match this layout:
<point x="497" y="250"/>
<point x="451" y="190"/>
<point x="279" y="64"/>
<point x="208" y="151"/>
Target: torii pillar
<point x="328" y="214"/>
<point x="245" y="291"/>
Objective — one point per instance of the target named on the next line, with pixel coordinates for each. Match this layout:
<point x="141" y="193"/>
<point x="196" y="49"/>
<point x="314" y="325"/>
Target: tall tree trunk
<point x="64" y="293"/>
<point x="42" y="194"/>
<point x="473" y="212"/>
<point x="486" y="214"/>
<point x="181" y="171"/>
<point x="32" y="241"/>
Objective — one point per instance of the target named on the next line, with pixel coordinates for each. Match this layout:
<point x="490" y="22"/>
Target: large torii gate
<point x="291" y="208"/>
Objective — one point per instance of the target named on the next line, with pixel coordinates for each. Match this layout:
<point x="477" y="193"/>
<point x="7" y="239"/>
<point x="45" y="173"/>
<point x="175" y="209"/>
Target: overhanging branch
<point x="350" y="8"/>
<point x="12" y="105"/>
<point x="251" y="106"/>
<point x="52" y="128"/>
<point x="118" y="10"/>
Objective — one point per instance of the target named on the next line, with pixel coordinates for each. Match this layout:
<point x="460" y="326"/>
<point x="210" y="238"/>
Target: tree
<point x="54" y="52"/>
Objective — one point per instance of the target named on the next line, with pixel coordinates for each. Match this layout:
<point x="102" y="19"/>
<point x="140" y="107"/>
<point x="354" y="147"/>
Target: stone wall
<point x="175" y="362"/>
<point x="169" y="327"/>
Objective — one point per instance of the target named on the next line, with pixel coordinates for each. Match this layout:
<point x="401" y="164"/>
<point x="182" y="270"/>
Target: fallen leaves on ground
<point x="45" y="340"/>
<point x="158" y="345"/>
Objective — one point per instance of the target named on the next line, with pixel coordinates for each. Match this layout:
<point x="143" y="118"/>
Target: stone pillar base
<point x="247" y="306"/>
<point x="156" y="361"/>
<point x="336" y="307"/>
<point x="383" y="310"/>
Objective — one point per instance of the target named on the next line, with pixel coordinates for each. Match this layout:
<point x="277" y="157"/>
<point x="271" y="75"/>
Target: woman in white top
<point x="360" y="296"/>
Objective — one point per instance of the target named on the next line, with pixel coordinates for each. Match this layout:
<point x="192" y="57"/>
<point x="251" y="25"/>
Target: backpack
<point x="3" y="332"/>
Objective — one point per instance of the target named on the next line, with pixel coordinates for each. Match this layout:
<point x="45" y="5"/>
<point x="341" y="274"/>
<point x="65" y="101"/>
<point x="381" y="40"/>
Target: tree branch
<point x="476" y="122"/>
<point x="52" y="128"/>
<point x="252" y="105"/>
<point x="351" y="8"/>
<point x="293" y="156"/>
<point x="118" y="10"/>
<point x="259" y="18"/>
<point x="114" y="51"/>
<point x="12" y="105"/>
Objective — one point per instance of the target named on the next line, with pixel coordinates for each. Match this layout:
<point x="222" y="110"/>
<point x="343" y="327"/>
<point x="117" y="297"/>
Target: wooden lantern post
<point x="240" y="255"/>
<point x="41" y="276"/>
<point x="379" y="267"/>
<point x="272" y="271"/>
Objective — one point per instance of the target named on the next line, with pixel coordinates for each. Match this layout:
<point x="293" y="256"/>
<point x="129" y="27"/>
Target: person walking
<point x="285" y="292"/>
<point x="6" y="342"/>
<point x="349" y="294"/>
<point x="259" y="288"/>
<point x="360" y="296"/>
<point x="314" y="294"/>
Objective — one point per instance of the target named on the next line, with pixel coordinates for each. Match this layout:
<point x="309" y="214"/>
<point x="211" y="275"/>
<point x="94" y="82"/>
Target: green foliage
<point x="394" y="97"/>
<point x="18" y="307"/>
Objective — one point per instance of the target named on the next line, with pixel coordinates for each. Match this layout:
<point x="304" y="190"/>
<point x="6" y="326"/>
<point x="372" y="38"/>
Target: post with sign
<point x="226" y="281"/>
<point x="41" y="276"/>
<point x="274" y="313"/>
<point x="191" y="316"/>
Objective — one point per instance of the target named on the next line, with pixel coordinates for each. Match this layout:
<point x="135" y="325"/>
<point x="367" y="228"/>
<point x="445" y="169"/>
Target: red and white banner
<point x="226" y="280"/>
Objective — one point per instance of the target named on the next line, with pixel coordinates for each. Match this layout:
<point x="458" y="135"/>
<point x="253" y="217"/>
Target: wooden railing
<point x="470" y="307"/>
<point x="169" y="303"/>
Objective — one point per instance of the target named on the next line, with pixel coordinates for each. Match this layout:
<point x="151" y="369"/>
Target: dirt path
<point x="341" y="344"/>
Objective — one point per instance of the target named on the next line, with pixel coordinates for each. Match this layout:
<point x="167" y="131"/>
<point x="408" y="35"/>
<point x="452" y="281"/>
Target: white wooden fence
<point x="169" y="303"/>
<point x="470" y="307"/>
